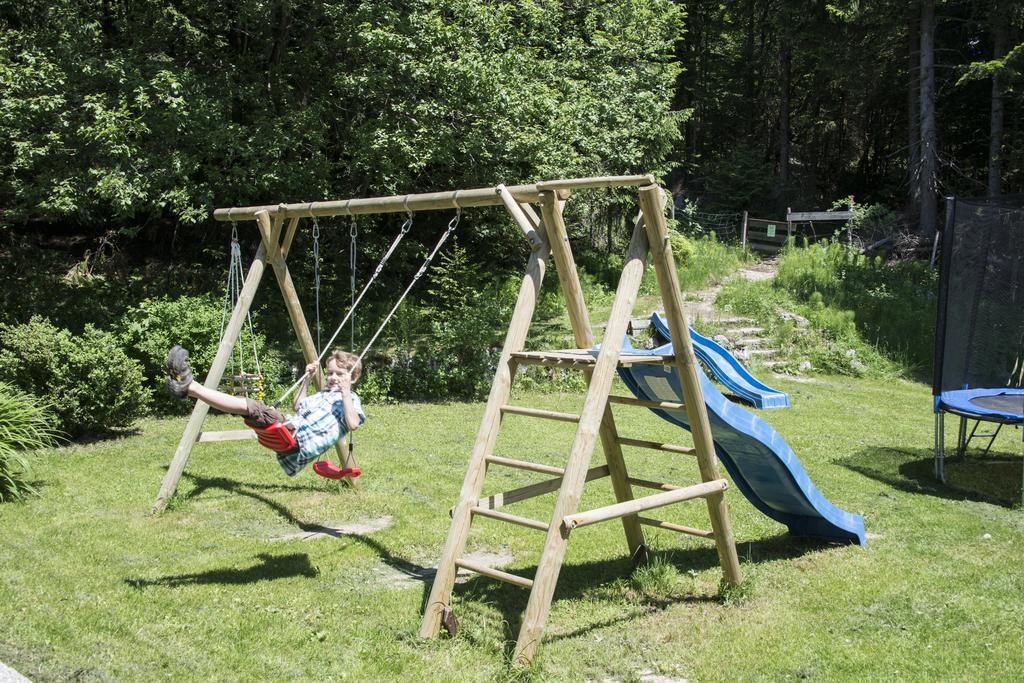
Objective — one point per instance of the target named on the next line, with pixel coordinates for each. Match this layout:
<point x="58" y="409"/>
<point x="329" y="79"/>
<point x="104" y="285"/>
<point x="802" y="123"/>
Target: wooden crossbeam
<point x="539" y="489"/>
<point x="585" y="359"/>
<point x="657" y="446"/>
<point x="538" y="412"/>
<point x="513" y="519"/>
<point x="227" y="435"/>
<point x="678" y="495"/>
<point x="524" y="465"/>
<point x="678" y="528"/>
<point x="494" y="573"/>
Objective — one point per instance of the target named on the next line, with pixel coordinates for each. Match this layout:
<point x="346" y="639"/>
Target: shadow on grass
<point x="611" y="580"/>
<point x="576" y="580"/>
<point x="269" y="568"/>
<point x="994" y="478"/>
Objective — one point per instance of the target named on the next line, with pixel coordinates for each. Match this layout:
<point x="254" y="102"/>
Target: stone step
<point x="745" y="331"/>
<point x="736" y="321"/>
<point x="761" y="352"/>
<point x="750" y="341"/>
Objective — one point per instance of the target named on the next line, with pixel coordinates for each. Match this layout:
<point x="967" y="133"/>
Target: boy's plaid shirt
<point x="318" y="425"/>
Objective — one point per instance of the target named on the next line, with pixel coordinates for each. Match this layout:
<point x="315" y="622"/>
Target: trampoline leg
<point x="940" y="448"/>
<point x="961" y="438"/>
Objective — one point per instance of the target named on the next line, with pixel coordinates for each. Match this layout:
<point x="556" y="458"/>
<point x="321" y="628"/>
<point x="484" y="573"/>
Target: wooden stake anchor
<point x="594" y="422"/>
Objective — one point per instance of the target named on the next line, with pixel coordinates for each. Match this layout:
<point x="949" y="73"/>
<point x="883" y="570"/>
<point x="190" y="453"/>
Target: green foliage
<point x="92" y="386"/>
<point x="894" y="302"/>
<point x="134" y="111"/>
<point x="147" y="331"/>
<point x="445" y="349"/>
<point x="830" y="340"/>
<point x="25" y="424"/>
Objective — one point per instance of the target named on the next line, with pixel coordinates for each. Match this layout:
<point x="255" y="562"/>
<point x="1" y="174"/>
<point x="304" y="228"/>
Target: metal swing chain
<point x="316" y="279"/>
<point x="406" y="226"/>
<point x="454" y="223"/>
<point x="353" y="234"/>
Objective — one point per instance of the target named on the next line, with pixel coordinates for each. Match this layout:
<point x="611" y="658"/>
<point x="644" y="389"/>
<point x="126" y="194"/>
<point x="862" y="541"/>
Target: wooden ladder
<point x="594" y="421"/>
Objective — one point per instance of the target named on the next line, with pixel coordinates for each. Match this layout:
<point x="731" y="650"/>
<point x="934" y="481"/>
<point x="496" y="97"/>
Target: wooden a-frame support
<point x="595" y="421"/>
<point x="547" y="237"/>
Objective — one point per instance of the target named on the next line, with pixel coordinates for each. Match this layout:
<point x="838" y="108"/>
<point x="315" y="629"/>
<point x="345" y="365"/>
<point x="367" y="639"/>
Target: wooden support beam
<point x="592" y="418"/>
<point x="678" y="528"/>
<point x="429" y="201"/>
<point x="227" y="435"/>
<point x="538" y="412"/>
<point x="630" y="401"/>
<point x="652" y="205"/>
<point x="483" y="196"/>
<point x="657" y="446"/>
<point x="455" y="544"/>
<point x="519" y="216"/>
<point x="512" y="519"/>
<point x="493" y="573"/>
<point x="523" y="465"/>
<point x="199" y="411"/>
<point x="582" y="519"/>
<point x="533" y="490"/>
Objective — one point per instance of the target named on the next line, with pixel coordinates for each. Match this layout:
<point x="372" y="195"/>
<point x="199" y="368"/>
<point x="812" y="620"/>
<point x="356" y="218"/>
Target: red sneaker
<point x="328" y="470"/>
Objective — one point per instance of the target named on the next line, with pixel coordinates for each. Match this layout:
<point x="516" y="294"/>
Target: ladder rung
<point x="494" y="573"/>
<point x="679" y="528"/>
<point x="523" y="465"/>
<point x="630" y="401"/>
<point x="513" y="519"/>
<point x="583" y="358"/>
<point x="656" y="446"/>
<point x="630" y="507"/>
<point x="533" y="490"/>
<point x="647" y="484"/>
<point x="537" y="412"/>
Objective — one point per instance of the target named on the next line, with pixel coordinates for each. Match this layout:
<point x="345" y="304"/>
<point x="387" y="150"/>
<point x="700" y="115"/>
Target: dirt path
<point x="701" y="304"/>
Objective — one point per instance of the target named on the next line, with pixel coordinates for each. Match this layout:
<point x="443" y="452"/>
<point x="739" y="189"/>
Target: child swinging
<point x="320" y="420"/>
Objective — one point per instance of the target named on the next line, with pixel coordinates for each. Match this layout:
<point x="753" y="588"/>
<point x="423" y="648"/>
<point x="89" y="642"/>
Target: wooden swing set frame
<point x="547" y="236"/>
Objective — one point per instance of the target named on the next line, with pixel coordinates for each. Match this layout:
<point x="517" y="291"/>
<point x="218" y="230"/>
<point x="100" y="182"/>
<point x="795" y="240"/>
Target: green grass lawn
<point x="224" y="586"/>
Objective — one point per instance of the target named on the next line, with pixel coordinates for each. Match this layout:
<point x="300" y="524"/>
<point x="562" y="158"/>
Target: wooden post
<point x="227" y="344"/>
<point x="455" y="545"/>
<point x="579" y="319"/>
<point x="651" y="205"/>
<point x="743" y="236"/>
<point x="593" y="415"/>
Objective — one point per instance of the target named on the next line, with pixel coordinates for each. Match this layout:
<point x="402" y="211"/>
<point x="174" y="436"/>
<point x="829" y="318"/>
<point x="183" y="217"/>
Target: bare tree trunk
<point x="929" y="132"/>
<point x="913" y="111"/>
<point x="784" y="123"/>
<point x="995" y="138"/>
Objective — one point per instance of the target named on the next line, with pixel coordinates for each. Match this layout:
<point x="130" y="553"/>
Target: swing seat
<point x="328" y="470"/>
<point x="277" y="437"/>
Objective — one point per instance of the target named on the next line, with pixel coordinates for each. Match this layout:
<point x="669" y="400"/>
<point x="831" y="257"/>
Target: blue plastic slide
<point x="728" y="370"/>
<point x="762" y="465"/>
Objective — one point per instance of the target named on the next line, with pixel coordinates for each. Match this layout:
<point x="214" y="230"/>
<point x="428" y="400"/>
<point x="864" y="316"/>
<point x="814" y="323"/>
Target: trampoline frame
<point x="963" y="439"/>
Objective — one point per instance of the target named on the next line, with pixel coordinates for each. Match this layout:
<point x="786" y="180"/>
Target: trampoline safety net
<point x="980" y="328"/>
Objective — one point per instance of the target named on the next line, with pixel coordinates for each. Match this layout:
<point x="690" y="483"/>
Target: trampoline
<point x="979" y="334"/>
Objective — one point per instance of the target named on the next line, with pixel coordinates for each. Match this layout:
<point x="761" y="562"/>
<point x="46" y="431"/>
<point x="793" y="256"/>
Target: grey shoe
<point x="179" y="374"/>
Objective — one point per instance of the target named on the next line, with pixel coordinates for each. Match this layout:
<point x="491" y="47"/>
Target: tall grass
<point x="891" y="304"/>
<point x="24" y="425"/>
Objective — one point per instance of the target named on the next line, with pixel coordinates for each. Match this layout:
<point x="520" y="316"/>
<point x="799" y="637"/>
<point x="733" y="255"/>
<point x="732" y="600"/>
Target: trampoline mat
<point x="1000" y="404"/>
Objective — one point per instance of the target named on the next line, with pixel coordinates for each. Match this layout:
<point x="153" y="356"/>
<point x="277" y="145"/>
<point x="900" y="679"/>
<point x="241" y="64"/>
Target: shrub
<point x="151" y="328"/>
<point x="25" y="424"/>
<point x="92" y="386"/>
